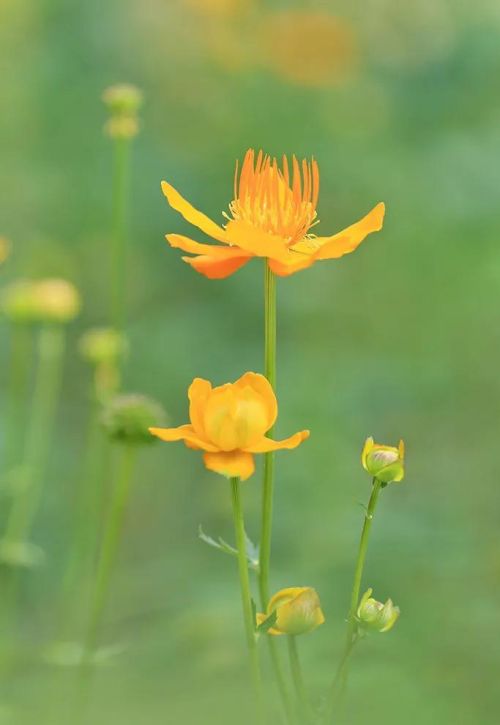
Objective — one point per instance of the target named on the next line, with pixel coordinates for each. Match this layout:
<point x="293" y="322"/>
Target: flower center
<point x="273" y="199"/>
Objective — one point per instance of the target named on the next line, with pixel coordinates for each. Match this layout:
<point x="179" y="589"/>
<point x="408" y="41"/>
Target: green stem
<point x="112" y="534"/>
<point x="352" y="627"/>
<point x="25" y="505"/>
<point x="21" y="349"/>
<point x="246" y="599"/>
<point x="121" y="183"/>
<point x="87" y="518"/>
<point x="268" y="483"/>
<point x="298" y="679"/>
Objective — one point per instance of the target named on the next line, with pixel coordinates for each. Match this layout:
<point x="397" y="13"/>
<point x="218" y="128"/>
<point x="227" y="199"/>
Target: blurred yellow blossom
<point x="298" y="611"/>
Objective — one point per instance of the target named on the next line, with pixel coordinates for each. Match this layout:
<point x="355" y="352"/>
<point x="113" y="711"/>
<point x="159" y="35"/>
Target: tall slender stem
<point x="268" y="482"/>
<point x="121" y="182"/>
<point x="298" y="679"/>
<point x="48" y="379"/>
<point x="21" y="348"/>
<point x="112" y="534"/>
<point x="87" y="519"/>
<point x="246" y="599"/>
<point x="352" y="627"/>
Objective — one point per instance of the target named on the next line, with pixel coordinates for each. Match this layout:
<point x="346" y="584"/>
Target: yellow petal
<point x="348" y="239"/>
<point x="256" y="241"/>
<point x="266" y="444"/>
<point x="263" y="388"/>
<point x="260" y="617"/>
<point x="214" y="268"/>
<point x="198" y="394"/>
<point x="192" y="215"/>
<point x="231" y="464"/>
<point x="179" y="241"/>
<point x="285" y="270"/>
<point x="368" y="446"/>
<point x="184" y="433"/>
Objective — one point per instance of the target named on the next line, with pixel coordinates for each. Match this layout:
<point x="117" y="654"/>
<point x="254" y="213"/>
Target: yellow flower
<point x="384" y="462"/>
<point x="270" y="216"/>
<point x="298" y="611"/>
<point x="229" y="424"/>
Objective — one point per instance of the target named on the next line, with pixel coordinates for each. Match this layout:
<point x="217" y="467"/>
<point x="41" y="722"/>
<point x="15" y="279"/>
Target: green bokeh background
<point x="397" y="340"/>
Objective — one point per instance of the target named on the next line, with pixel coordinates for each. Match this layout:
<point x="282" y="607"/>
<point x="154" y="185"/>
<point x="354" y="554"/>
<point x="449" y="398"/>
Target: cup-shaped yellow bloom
<point x="298" y="611"/>
<point x="384" y="462"/>
<point x="270" y="216"/>
<point x="229" y="423"/>
<point x="375" y="616"/>
<point x="56" y="300"/>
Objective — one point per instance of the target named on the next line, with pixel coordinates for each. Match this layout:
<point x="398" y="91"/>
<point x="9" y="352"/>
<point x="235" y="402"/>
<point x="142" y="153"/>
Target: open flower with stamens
<point x="270" y="216"/>
<point x="229" y="423"/>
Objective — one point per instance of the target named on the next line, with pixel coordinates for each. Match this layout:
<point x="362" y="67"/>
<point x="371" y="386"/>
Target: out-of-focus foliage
<point x="398" y="102"/>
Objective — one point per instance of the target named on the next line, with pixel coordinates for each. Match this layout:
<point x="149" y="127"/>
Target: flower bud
<point x="55" y="300"/>
<point x="123" y="102"/>
<point x="298" y="611"/>
<point x="122" y="99"/>
<point x="127" y="418"/>
<point x="102" y="345"/>
<point x="386" y="463"/>
<point x="375" y="616"/>
<point x="17" y="301"/>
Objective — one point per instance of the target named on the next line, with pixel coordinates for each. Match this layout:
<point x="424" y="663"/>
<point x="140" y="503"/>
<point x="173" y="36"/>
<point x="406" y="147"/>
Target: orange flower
<point x="229" y="424"/>
<point x="270" y="216"/>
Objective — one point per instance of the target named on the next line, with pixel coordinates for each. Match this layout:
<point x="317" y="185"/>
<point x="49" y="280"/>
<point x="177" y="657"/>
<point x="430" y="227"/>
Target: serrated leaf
<point x="222" y="545"/>
<point x="269" y="622"/>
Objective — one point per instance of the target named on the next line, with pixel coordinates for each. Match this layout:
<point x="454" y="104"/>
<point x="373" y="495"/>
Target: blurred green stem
<point x="246" y="598"/>
<point x="87" y="518"/>
<point x="268" y="483"/>
<point x="111" y="539"/>
<point x="21" y="350"/>
<point x="298" y="680"/>
<point x="51" y="345"/>
<point x="121" y="183"/>
<point x="352" y="627"/>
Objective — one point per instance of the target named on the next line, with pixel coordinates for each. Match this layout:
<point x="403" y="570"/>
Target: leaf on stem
<point x="252" y="551"/>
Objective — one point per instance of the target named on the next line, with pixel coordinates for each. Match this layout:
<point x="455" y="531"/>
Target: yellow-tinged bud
<point x="122" y="99"/>
<point x="18" y="301"/>
<point x="386" y="463"/>
<point x="102" y="345"/>
<point x="375" y="616"/>
<point x="55" y="300"/>
<point x="297" y="611"/>
<point x="127" y="418"/>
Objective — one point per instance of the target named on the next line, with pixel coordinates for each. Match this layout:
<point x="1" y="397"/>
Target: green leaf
<point x="268" y="623"/>
<point x="252" y="553"/>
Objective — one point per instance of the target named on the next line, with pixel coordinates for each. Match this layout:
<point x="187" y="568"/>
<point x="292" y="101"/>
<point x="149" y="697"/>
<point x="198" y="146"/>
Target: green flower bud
<point x="102" y="345"/>
<point x="18" y="301"/>
<point x="127" y="418"/>
<point x="55" y="300"/>
<point x="122" y="99"/>
<point x="386" y="463"/>
<point x="375" y="616"/>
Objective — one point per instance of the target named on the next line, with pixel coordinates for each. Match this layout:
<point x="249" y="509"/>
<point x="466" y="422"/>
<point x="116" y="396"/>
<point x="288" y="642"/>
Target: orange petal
<point x="216" y="268"/>
<point x="285" y="270"/>
<point x="233" y="464"/>
<point x="198" y="393"/>
<point x="266" y="444"/>
<point x="348" y="239"/>
<point x="262" y="387"/>
<point x="257" y="242"/>
<point x="216" y="251"/>
<point x="184" y="433"/>
<point x="192" y="215"/>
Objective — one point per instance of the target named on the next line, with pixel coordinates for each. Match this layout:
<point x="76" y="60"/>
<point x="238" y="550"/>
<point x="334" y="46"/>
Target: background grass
<point x="398" y="102"/>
